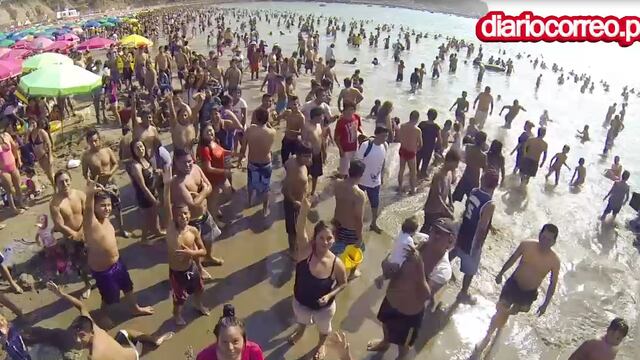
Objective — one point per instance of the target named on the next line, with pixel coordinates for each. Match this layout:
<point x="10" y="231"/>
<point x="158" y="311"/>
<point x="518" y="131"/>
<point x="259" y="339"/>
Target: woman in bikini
<point x="10" y="162"/>
<point x="320" y="276"/>
<point x="40" y="141"/>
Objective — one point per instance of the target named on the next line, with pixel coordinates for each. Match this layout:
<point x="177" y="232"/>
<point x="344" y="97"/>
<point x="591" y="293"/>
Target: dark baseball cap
<point x="445" y="224"/>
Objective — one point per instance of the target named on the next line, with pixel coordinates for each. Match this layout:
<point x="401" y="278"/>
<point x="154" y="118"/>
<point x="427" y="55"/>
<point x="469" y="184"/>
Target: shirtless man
<point x="140" y="58"/>
<point x="86" y="336"/>
<point x="215" y="71"/>
<point x="484" y="103"/>
<point x="294" y="122"/>
<point x="266" y="104"/>
<point x="103" y="256"/>
<point x="533" y="149"/>
<point x="185" y="248"/>
<point x="143" y="127"/>
<point x="294" y="189"/>
<point x="182" y="119"/>
<point x="66" y="209"/>
<point x="439" y="203"/>
<point x="537" y="260"/>
<point x="410" y="142"/>
<point x="182" y="63"/>
<point x="349" y="212"/>
<point x="232" y="78"/>
<point x="618" y="196"/>
<point x="163" y="62"/>
<point x="512" y="112"/>
<point x="476" y="160"/>
<point x="261" y="138"/>
<point x="315" y="135"/>
<point x="462" y="106"/>
<point x="605" y="348"/>
<point x="191" y="188"/>
<point x="330" y="74"/>
<point x="99" y="164"/>
<point x="349" y="94"/>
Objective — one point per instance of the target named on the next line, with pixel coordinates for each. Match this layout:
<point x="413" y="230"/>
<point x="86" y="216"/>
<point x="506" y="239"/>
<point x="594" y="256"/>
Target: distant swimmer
<point x="512" y="112"/>
<point x="538" y="80"/>
<point x="375" y="62"/>
<point x="556" y="162"/>
<point x="537" y="260"/>
<point x="544" y="118"/>
<point x="605" y="348"/>
<point x="579" y="175"/>
<point x="618" y="196"/>
<point x="484" y="103"/>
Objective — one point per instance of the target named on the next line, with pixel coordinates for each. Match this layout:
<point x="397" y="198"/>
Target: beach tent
<point x="59" y="80"/>
<point x="44" y="60"/>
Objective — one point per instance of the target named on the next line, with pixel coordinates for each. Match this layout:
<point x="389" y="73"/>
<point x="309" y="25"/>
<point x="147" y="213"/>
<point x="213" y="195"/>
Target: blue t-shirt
<point x="14" y="346"/>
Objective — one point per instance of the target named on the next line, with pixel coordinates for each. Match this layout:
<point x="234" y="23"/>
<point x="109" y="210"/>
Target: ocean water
<point x="598" y="280"/>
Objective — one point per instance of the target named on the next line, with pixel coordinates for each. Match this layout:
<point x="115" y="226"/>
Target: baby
<point x="398" y="254"/>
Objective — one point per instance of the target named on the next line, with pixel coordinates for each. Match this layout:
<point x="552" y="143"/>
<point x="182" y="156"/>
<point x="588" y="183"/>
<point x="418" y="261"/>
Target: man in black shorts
<point x="403" y="307"/>
<point x="534" y="148"/>
<point x="294" y="189"/>
<point x="537" y="260"/>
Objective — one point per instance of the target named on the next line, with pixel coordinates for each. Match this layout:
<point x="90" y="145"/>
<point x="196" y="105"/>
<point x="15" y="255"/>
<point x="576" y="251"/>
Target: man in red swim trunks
<point x="410" y="141"/>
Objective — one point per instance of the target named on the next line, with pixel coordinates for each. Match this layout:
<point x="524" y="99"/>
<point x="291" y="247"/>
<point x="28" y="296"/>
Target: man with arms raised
<point x="537" y="260"/>
<point x="605" y="348"/>
<point x="261" y="138"/>
<point x="103" y="256"/>
<point x="66" y="209"/>
<point x="484" y="103"/>
<point x="190" y="188"/>
<point x="99" y="164"/>
<point x="184" y="247"/>
<point x="182" y="119"/>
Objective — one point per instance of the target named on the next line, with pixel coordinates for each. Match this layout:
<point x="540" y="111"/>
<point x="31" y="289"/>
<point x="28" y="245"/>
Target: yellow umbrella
<point x="135" y="41"/>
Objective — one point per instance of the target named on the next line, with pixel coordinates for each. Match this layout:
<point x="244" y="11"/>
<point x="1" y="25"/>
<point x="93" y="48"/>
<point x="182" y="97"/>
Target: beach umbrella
<point x="135" y="41"/>
<point x="60" y="46"/>
<point x="45" y="34"/>
<point x="59" y="80"/>
<point x="4" y="51"/>
<point x="95" y="43"/>
<point x="44" y="60"/>
<point x="10" y="68"/>
<point x="68" y="37"/>
<point x="77" y="30"/>
<point x="22" y="44"/>
<point x="40" y="43"/>
<point x="91" y="24"/>
<point x="6" y="43"/>
<point x="15" y="54"/>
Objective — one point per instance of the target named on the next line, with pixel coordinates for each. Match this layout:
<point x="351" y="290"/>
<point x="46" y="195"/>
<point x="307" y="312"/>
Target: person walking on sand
<point x="606" y="347"/>
<point x="373" y="154"/>
<point x="476" y="160"/>
<point x="294" y="189"/>
<point x="347" y="130"/>
<point x="439" y="203"/>
<point x="410" y="142"/>
<point x="431" y="139"/>
<point x="320" y="277"/>
<point x="537" y="260"/>
<point x="185" y="248"/>
<point x="476" y="221"/>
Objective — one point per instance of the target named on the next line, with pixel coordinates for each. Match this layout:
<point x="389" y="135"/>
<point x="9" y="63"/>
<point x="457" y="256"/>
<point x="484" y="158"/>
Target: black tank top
<point x="307" y="288"/>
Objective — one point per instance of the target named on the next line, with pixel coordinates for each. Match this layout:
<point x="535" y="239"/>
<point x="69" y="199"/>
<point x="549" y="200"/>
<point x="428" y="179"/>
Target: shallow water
<point x="597" y="280"/>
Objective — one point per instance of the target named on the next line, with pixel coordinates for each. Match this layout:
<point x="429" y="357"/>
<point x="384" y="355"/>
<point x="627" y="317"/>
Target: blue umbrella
<point x="91" y="24"/>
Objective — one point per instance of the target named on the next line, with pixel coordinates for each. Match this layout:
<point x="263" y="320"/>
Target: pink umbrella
<point x="22" y="44"/>
<point x="40" y="43"/>
<point x="68" y="37"/>
<point x="95" y="43"/>
<point x="15" y="54"/>
<point x="10" y="68"/>
<point x="59" y="46"/>
<point x="4" y="51"/>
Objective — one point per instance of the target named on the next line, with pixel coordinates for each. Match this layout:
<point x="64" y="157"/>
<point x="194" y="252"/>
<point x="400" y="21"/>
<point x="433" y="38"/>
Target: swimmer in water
<point x="618" y="196"/>
<point x="556" y="163"/>
<point x="584" y="134"/>
<point x="513" y="111"/>
<point x="579" y="174"/>
<point x="615" y="171"/>
<point x="605" y="348"/>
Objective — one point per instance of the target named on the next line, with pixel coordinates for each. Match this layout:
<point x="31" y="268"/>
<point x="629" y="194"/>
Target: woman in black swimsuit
<point x="142" y="176"/>
<point x="40" y="141"/>
<point x="320" y="276"/>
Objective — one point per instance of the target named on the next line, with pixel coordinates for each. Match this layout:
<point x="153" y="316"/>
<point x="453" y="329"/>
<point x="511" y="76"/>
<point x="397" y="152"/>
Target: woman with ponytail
<point x="231" y="340"/>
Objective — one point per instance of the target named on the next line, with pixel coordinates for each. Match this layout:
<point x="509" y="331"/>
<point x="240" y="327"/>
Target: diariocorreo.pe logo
<point x="495" y="26"/>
